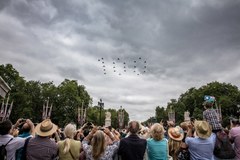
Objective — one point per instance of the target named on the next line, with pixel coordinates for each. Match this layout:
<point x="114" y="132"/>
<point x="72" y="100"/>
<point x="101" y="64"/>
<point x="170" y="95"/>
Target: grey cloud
<point x="71" y="73"/>
<point x="32" y="12"/>
<point x="185" y="43"/>
<point x="4" y="4"/>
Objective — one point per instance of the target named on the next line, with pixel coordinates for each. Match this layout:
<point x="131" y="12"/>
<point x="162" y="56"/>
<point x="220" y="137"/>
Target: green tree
<point x="161" y="113"/>
<point x="69" y="97"/>
<point x="227" y="97"/>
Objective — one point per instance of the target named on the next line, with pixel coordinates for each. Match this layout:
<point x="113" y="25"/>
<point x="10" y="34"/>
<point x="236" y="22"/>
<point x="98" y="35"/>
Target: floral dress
<point x="109" y="153"/>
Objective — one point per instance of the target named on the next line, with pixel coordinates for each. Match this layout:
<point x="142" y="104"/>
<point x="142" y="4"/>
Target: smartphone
<point x="89" y="123"/>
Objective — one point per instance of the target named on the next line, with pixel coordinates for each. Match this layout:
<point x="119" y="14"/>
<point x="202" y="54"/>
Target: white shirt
<point x="12" y="146"/>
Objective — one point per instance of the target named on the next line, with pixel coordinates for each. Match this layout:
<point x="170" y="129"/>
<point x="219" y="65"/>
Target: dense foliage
<point x="227" y="98"/>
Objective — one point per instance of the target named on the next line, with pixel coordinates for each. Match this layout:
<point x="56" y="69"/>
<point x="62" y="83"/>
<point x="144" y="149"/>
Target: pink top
<point x="234" y="135"/>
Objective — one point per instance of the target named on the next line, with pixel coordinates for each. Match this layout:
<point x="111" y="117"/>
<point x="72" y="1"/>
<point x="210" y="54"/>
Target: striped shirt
<point x="211" y="116"/>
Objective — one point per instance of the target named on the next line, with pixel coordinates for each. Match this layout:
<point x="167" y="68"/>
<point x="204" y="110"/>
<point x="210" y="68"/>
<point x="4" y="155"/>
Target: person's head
<point x="207" y="104"/>
<point x="26" y="127"/>
<point x="70" y="130"/>
<point x="98" y="144"/>
<point x="170" y="124"/>
<point x="46" y="128"/>
<point x="133" y="127"/>
<point x="203" y="129"/>
<point x="208" y="101"/>
<point x="234" y="121"/>
<point x="5" y="127"/>
<point x="184" y="126"/>
<point x="157" y="131"/>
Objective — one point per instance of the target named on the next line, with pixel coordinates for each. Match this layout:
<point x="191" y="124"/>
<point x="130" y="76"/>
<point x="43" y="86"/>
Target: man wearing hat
<point x="202" y="145"/>
<point x="41" y="147"/>
<point x="210" y="115"/>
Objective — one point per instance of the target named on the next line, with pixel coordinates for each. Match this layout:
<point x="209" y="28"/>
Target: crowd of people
<point x="195" y="140"/>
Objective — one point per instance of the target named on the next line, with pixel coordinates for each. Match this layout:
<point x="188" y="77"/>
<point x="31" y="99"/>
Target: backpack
<point x="3" y="151"/>
<point x="223" y="148"/>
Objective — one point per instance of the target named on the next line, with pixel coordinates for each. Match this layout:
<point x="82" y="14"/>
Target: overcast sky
<point x="185" y="43"/>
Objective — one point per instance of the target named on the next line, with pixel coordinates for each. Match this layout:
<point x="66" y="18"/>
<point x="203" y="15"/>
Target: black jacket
<point x="132" y="148"/>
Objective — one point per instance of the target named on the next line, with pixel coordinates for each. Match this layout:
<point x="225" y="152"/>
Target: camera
<point x="101" y="128"/>
<point x="192" y="119"/>
<point x="89" y="124"/>
<point x="22" y="120"/>
<point x="110" y="128"/>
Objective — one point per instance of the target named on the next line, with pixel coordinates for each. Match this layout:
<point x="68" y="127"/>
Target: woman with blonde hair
<point x="96" y="147"/>
<point x="69" y="148"/>
<point x="176" y="135"/>
<point x="157" y="145"/>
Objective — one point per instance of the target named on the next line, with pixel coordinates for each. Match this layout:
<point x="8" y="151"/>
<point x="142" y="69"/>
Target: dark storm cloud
<point x="185" y="43"/>
<point x="31" y="12"/>
<point x="73" y="11"/>
<point x="71" y="73"/>
<point x="179" y="32"/>
<point x="4" y="3"/>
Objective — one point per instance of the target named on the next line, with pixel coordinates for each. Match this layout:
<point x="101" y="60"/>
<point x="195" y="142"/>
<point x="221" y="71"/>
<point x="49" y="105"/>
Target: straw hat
<point x="45" y="128"/>
<point x="176" y="133"/>
<point x="203" y="129"/>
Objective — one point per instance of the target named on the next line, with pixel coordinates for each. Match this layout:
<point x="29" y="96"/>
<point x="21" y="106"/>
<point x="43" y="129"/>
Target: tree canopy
<point x="227" y="98"/>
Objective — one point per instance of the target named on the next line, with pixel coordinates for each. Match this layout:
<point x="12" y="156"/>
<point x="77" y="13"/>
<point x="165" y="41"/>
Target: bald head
<point x="26" y="127"/>
<point x="133" y="127"/>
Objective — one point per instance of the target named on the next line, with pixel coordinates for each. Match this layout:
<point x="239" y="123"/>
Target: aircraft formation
<point x="119" y="66"/>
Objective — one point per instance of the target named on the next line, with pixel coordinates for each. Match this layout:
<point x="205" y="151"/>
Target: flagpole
<point x="50" y="111"/>
<point x="9" y="111"/>
<point x="2" y="107"/>
<point x="6" y="106"/>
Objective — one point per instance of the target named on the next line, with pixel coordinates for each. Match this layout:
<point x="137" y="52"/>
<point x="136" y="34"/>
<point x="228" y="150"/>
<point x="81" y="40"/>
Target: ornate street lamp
<point x="186" y="116"/>
<point x="171" y="115"/>
<point x="121" y="118"/>
<point x="101" y="106"/>
<point x="82" y="114"/>
<point x="238" y="111"/>
<point x="47" y="110"/>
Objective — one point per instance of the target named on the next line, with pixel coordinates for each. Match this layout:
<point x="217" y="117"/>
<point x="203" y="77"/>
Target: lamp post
<point x="82" y="113"/>
<point x="101" y="106"/>
<point x="186" y="116"/>
<point x="238" y="111"/>
<point x="121" y="118"/>
<point x="171" y="115"/>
